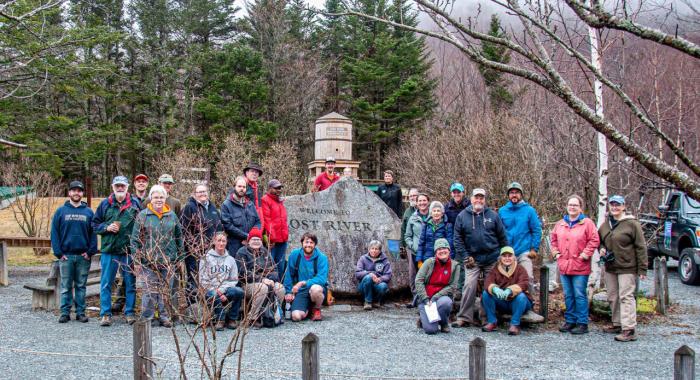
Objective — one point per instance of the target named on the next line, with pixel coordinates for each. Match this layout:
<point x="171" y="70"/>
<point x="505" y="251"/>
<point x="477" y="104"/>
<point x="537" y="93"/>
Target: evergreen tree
<point x="499" y="95"/>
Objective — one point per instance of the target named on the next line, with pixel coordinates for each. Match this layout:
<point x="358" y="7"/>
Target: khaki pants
<point x="526" y="263"/>
<point x="471" y="283"/>
<point x="257" y="293"/>
<point x="621" y="297"/>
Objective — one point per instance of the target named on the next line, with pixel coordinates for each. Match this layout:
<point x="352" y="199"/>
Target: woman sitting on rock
<point x="373" y="273"/>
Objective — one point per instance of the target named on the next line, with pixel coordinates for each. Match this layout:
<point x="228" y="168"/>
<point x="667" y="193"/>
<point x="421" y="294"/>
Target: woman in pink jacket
<point x="573" y="241"/>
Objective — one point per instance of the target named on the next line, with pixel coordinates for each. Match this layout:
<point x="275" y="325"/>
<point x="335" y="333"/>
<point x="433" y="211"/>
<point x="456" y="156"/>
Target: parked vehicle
<point x="675" y="232"/>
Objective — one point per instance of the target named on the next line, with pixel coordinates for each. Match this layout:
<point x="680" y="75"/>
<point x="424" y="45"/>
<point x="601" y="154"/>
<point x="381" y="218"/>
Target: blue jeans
<point x="230" y="310"/>
<point x="371" y="291"/>
<point x="110" y="265"/>
<point x="575" y="298"/>
<point x="74" y="273"/>
<point x="515" y="307"/>
<point x="278" y="252"/>
<point x="444" y="306"/>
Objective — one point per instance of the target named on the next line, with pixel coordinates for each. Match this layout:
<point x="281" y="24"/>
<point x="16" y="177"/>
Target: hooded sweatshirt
<point x="523" y="227"/>
<point x="379" y="266"/>
<point x="479" y="235"/>
<point x="71" y="231"/>
<point x="305" y="269"/>
<point x="217" y="272"/>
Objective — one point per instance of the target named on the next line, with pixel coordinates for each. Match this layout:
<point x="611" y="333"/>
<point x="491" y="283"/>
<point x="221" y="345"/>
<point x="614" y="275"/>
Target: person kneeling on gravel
<point x="373" y="273"/>
<point x="218" y="276"/>
<point x="436" y="285"/>
<point x="306" y="279"/>
<point x="506" y="289"/>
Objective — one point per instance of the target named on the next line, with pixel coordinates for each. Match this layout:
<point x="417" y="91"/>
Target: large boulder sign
<point x="346" y="217"/>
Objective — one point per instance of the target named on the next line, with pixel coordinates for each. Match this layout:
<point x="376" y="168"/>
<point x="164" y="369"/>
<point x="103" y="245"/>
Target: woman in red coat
<point x="573" y="241"/>
<point x="275" y="224"/>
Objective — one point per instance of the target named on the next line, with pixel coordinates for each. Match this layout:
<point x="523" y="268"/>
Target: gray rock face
<point x="346" y="217"/>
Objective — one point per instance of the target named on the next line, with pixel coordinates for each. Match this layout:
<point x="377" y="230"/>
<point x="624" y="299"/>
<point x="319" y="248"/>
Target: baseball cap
<point x="120" y="180"/>
<point x="478" y="191"/>
<point x="507" y="249"/>
<point x="141" y="176"/>
<point x="275" y="184"/>
<point x="76" y="185"/>
<point x="330" y="159"/>
<point x="166" y="178"/>
<point x="617" y="199"/>
<point x="515" y="185"/>
<point x="457" y="186"/>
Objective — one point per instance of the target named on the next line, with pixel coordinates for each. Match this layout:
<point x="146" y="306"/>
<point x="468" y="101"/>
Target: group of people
<point x="455" y="251"/>
<point x="229" y="255"/>
<point x="462" y="246"/>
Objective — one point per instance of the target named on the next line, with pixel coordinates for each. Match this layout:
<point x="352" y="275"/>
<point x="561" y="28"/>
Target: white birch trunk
<point x="594" y="281"/>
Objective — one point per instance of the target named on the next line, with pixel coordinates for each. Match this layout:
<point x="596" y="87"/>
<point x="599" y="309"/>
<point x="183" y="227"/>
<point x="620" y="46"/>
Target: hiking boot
<point x="130" y="319"/>
<point x="377" y="305"/>
<point x="64" y="318"/>
<point x="409" y="305"/>
<point x="490" y="327"/>
<point x="566" y="327"/>
<point x="419" y="324"/>
<point x="316" y="315"/>
<point x="165" y="322"/>
<point x="612" y="329"/>
<point x="232" y="325"/>
<point x="257" y="324"/>
<point x="368" y="306"/>
<point x="445" y="328"/>
<point x="579" y="329"/>
<point x="626" y="336"/>
<point x="515" y="330"/>
<point x="461" y="323"/>
<point x="106" y="320"/>
<point x="82" y="318"/>
<point x="220" y="325"/>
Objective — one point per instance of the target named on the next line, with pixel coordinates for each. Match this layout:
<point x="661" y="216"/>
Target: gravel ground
<point x="380" y="344"/>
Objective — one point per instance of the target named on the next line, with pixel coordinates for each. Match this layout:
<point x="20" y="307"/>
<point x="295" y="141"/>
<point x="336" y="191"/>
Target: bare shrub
<point x="180" y="165"/>
<point x="280" y="161"/>
<point x="237" y="153"/>
<point x="36" y="196"/>
<point x="477" y="154"/>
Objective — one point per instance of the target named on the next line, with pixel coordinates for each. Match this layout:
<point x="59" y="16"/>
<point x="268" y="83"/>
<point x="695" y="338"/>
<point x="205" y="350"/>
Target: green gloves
<point x="496" y="291"/>
<point x="506" y="293"/>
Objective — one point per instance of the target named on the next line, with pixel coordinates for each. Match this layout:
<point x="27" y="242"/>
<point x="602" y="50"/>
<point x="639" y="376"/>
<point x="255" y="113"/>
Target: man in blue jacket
<point x="523" y="227"/>
<point x="73" y="242"/>
<point x="306" y="279"/>
<point x="478" y="238"/>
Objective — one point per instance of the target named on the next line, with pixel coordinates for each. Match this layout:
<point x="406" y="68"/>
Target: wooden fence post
<point x="477" y="359"/>
<point x="684" y="363"/>
<point x="143" y="365"/>
<point x="544" y="292"/>
<point x="658" y="286"/>
<point x="309" y="357"/>
<point x="4" y="278"/>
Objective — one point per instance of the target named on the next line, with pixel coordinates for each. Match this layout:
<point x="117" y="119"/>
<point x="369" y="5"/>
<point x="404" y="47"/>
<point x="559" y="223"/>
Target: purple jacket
<point x="381" y="267"/>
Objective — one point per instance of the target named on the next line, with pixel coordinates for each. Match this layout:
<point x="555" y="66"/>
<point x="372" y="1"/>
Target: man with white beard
<point x="479" y="236"/>
<point x="113" y="221"/>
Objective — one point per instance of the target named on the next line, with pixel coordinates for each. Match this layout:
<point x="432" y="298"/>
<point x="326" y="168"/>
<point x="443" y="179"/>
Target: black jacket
<point x="238" y="219"/>
<point x="479" y="235"/>
<point x="199" y="225"/>
<point x="391" y="195"/>
<point x="453" y="209"/>
<point x="254" y="268"/>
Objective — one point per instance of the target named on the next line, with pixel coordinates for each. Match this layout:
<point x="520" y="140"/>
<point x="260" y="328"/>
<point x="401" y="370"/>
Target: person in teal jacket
<point x="523" y="228"/>
<point x="306" y="279"/>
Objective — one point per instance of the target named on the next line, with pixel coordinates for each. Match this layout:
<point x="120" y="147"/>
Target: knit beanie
<point x="254" y="232"/>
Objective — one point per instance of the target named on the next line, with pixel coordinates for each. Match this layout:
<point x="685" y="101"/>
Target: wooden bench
<point x="47" y="296"/>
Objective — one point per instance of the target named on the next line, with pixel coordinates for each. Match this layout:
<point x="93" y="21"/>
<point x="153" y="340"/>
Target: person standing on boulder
<point x="478" y="238"/>
<point x="238" y="216"/>
<point x="306" y="280"/>
<point x="523" y="228"/>
<point x="113" y="221"/>
<point x="74" y="243"/>
<point x="328" y="177"/>
<point x="390" y="193"/>
<point x="275" y="224"/>
<point x="252" y="172"/>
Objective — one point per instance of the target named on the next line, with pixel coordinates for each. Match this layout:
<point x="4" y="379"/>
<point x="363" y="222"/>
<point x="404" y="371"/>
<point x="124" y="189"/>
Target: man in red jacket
<point x="275" y="224"/>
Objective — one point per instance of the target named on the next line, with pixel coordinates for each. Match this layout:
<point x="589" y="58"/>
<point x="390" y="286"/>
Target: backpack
<point x="295" y="272"/>
<point x="271" y="310"/>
